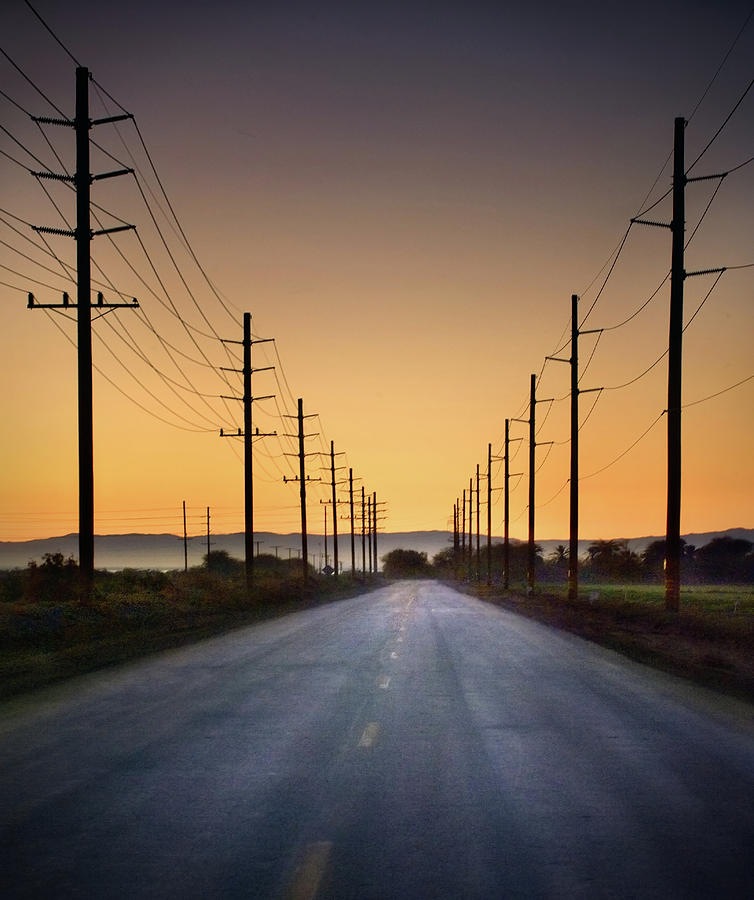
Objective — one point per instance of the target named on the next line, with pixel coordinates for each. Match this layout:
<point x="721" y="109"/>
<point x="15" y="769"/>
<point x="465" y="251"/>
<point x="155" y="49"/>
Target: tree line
<point x="724" y="560"/>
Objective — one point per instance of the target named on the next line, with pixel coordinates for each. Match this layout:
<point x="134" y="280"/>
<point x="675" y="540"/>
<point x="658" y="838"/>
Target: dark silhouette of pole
<point x="248" y="435"/>
<point x="334" y="509"/>
<point x="248" y="456"/>
<point x="185" y="540"/>
<point x="369" y="532"/>
<point x="83" y="180"/>
<point x="326" y="558"/>
<point x="470" y="562"/>
<point x="374" y="533"/>
<point x="208" y="541"/>
<point x="478" y="504"/>
<point x="531" y="555"/>
<point x="489" y="514"/>
<point x="573" y="361"/>
<point x="302" y="488"/>
<point x="673" y="529"/>
<point x="363" y="533"/>
<point x="456" y="536"/>
<point x="573" y="518"/>
<point x="506" y="508"/>
<point x="350" y="503"/>
<point x="463" y="529"/>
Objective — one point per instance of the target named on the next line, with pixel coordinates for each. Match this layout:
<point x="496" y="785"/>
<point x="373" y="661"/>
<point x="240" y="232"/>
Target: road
<point x="409" y="743"/>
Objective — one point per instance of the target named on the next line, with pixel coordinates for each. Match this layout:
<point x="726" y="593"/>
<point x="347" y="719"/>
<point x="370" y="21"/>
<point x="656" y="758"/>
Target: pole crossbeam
<point x="83" y="235"/>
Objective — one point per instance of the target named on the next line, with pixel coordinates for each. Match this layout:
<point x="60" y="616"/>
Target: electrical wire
<point x="717" y="393"/>
<point x="625" y="452"/>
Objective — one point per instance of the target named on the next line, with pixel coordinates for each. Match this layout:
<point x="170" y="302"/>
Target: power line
<point x="718" y="393"/>
<point x="626" y="451"/>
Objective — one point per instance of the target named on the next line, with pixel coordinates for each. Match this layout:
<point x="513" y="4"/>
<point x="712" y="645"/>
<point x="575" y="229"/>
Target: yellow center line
<point x="309" y="874"/>
<point x="369" y="735"/>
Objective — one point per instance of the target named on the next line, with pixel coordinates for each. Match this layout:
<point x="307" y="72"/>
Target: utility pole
<point x="363" y="534"/>
<point x="374" y="533"/>
<point x="463" y="529"/>
<point x="489" y="515"/>
<point x="83" y="235"/>
<point x="248" y="436"/>
<point x="471" y="529"/>
<point x="573" y="540"/>
<point x="334" y="507"/>
<point x="675" y="351"/>
<point x="506" y="509"/>
<point x="326" y="557"/>
<point x="478" y="504"/>
<point x="531" y="559"/>
<point x="185" y="540"/>
<point x="208" y="542"/>
<point x="302" y="479"/>
<point x="455" y="529"/>
<point x="369" y="533"/>
<point x="350" y="504"/>
<point x="675" y="339"/>
<point x="506" y="504"/>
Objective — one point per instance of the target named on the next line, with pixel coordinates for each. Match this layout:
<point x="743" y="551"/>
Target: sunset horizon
<point x="405" y="202"/>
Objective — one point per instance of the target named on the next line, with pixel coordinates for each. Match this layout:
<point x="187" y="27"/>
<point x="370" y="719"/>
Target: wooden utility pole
<point x="463" y="529"/>
<point x="302" y="480"/>
<point x="573" y="518"/>
<point x="185" y="540"/>
<point x="478" y="550"/>
<point x="677" y="275"/>
<point x="374" y="533"/>
<point x="334" y="509"/>
<point x="456" y="534"/>
<point x="208" y="541"/>
<point x="531" y="557"/>
<point x="83" y="235"/>
<point x="84" y="326"/>
<point x="248" y="436"/>
<point x="506" y="509"/>
<point x="302" y="491"/>
<point x="471" y="529"/>
<point x="326" y="557"/>
<point x="573" y="540"/>
<point x="369" y="532"/>
<point x="350" y="504"/>
<point x="489" y="514"/>
<point x="675" y="352"/>
<point x="363" y="533"/>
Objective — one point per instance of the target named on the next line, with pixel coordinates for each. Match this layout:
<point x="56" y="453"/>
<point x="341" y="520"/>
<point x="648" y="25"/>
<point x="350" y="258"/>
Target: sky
<point x="405" y="197"/>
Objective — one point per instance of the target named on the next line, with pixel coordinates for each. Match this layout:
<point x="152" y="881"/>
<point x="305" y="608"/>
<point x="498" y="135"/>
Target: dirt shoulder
<point x="704" y="649"/>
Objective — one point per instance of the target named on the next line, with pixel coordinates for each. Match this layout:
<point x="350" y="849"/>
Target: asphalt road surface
<point x="409" y="743"/>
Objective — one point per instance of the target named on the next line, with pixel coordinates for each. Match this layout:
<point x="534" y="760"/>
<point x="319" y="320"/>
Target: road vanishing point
<point x="412" y="742"/>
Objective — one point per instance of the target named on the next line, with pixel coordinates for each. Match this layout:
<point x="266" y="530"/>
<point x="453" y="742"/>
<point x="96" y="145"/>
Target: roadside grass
<point x="133" y="613"/>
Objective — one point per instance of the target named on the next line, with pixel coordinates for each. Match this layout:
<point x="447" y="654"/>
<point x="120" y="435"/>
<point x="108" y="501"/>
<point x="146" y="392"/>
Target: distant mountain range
<point x="165" y="551"/>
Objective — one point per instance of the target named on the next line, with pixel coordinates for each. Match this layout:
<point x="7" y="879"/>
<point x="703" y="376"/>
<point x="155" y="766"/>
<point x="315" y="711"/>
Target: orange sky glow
<point x="405" y="199"/>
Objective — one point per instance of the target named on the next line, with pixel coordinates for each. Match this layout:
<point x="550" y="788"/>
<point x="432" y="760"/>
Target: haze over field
<point x="404" y="196"/>
<point x="165" y="551"/>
